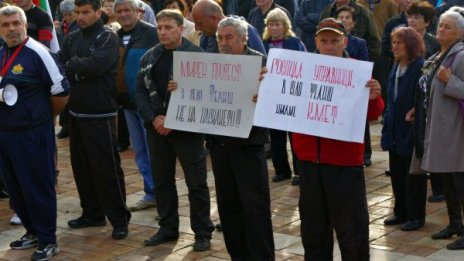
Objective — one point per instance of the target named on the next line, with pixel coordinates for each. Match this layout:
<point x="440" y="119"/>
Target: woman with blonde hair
<point x="278" y="34"/>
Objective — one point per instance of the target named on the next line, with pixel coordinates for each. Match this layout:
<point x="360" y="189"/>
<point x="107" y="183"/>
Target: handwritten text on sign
<point x="314" y="94"/>
<point x="214" y="93"/>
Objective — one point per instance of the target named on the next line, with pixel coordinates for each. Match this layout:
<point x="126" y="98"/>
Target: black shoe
<point x="279" y="178"/>
<point x="218" y="227"/>
<point x="201" y="244"/>
<point x="412" y="225"/>
<point x="160" y="238"/>
<point x="64" y="133"/>
<point x="122" y="147"/>
<point x="456" y="245"/>
<point x="295" y="180"/>
<point x="25" y="242"/>
<point x="119" y="232"/>
<point x="367" y="163"/>
<point x="82" y="222"/>
<point x="387" y="172"/>
<point x="449" y="231"/>
<point x="436" y="198"/>
<point x="394" y="220"/>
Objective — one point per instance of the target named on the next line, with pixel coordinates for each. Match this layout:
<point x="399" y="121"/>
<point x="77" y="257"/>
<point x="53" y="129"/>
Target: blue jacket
<point x="143" y="37"/>
<point x="290" y="43"/>
<point x="307" y="18"/>
<point x="397" y="133"/>
<point x="37" y="75"/>
<point x="357" y="48"/>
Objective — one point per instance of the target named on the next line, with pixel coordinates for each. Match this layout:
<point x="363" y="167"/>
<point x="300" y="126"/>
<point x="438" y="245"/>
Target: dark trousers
<point x="242" y="190"/>
<point x="333" y="197"/>
<point x="453" y="184"/>
<point x="123" y="131"/>
<point x="367" y="143"/>
<point x="409" y="190"/>
<point x="279" y="153"/>
<point x="28" y="170"/>
<point x="436" y="183"/>
<point x="64" y="118"/>
<point x="97" y="170"/>
<point x="189" y="148"/>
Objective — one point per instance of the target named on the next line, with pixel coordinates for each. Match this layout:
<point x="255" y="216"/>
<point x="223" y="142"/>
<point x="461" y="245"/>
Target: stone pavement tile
<point x="429" y="242"/>
<point x="290" y="229"/>
<point x="289" y="201"/>
<point x="391" y="243"/>
<point x="132" y="258"/>
<point x="282" y="241"/>
<point x="287" y="212"/>
<point x="409" y="236"/>
<point x="221" y="254"/>
<point x="382" y="255"/>
<point x="296" y="249"/>
<point x="280" y="255"/>
<point x="17" y="254"/>
<point x="95" y="256"/>
<point x="280" y="221"/>
<point x="211" y="258"/>
<point x="296" y="258"/>
<point x="411" y="249"/>
<point x="153" y="252"/>
<point x="447" y="255"/>
<point x="373" y="198"/>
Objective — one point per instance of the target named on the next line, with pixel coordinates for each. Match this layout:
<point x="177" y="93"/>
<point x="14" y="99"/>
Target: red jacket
<point x="334" y="152"/>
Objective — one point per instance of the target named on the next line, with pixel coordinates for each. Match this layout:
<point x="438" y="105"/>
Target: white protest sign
<point x="214" y="93"/>
<point x="314" y="94"/>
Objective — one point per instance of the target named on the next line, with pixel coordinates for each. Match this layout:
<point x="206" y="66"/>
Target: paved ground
<point x="387" y="243"/>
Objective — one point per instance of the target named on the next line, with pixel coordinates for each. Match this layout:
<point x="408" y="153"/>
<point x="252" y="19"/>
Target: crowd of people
<point x="111" y="82"/>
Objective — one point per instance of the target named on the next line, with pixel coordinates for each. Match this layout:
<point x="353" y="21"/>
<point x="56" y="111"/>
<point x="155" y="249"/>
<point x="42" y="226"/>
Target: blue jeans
<point x="138" y="139"/>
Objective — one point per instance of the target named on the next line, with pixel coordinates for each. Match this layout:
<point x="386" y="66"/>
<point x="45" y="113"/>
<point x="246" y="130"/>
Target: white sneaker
<point x="15" y="220"/>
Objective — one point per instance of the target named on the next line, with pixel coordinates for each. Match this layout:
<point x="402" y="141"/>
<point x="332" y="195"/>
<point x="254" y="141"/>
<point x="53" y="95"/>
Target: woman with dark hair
<point x="357" y="48"/>
<point x="442" y="89"/>
<point x="397" y="134"/>
<point x="278" y="34"/>
<point x="420" y="16"/>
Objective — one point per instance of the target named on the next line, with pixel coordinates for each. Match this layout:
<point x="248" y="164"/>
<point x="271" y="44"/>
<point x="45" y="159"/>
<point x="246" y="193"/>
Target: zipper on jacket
<point x="318" y="150"/>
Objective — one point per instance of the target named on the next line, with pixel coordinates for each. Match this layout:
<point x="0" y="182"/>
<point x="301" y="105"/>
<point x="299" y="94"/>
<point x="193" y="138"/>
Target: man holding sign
<point x="152" y="100"/>
<point x="332" y="188"/>
<point x="240" y="171"/>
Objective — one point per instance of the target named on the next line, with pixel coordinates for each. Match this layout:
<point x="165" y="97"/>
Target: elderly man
<point x="240" y="171"/>
<point x="332" y="188"/>
<point x="206" y="15"/>
<point x="91" y="58"/>
<point x="136" y="38"/>
<point x="152" y="99"/>
<point x="27" y="133"/>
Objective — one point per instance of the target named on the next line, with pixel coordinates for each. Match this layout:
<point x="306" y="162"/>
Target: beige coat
<point x="444" y="130"/>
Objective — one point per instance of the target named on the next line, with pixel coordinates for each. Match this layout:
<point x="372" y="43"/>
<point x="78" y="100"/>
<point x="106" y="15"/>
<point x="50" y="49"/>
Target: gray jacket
<point x="444" y="130"/>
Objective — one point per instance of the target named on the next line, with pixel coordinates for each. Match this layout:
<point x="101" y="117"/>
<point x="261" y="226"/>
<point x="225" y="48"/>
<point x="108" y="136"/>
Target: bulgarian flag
<point x="54" y="47"/>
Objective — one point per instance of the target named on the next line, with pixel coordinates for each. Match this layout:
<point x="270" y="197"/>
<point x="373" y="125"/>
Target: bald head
<point x="206" y="15"/>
